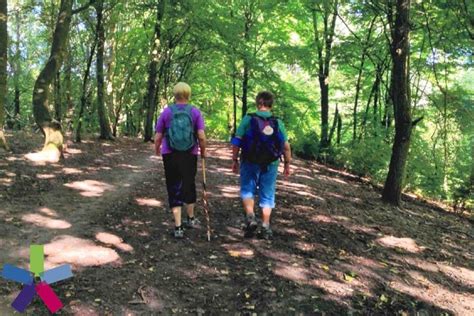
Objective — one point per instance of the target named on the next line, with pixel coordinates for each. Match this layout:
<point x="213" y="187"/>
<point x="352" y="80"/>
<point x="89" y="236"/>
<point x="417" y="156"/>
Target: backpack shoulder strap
<point x="173" y="108"/>
<point x="188" y="108"/>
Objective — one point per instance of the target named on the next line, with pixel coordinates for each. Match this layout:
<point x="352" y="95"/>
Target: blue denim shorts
<point x="253" y="177"/>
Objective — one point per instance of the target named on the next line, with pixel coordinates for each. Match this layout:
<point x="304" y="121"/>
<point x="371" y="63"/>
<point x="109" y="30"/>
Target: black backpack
<point x="263" y="143"/>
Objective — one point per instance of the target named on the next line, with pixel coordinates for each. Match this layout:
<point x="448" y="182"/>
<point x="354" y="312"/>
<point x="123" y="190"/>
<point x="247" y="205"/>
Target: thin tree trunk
<point x="334" y="124"/>
<point x="68" y="89"/>
<point x="52" y="131"/>
<point x="339" y="129"/>
<point x="246" y="74"/>
<point x="359" y="79"/>
<point x="82" y="106"/>
<point x="234" y="99"/>
<point x="105" y="132"/>
<point x="401" y="100"/>
<point x="3" y="68"/>
<point x="120" y="102"/>
<point x="356" y="101"/>
<point x="57" y="97"/>
<point x="324" y="51"/>
<point x="150" y="98"/>
<point x="16" y="75"/>
<point x="110" y="93"/>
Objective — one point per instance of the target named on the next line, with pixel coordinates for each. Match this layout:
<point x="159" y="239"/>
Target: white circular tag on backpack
<point x="268" y="130"/>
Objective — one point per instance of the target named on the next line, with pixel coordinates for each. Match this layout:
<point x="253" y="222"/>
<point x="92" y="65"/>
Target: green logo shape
<point x="37" y="259"/>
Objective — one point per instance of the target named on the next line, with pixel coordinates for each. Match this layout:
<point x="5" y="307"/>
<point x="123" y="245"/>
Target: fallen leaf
<point x="348" y="278"/>
<point x="247" y="295"/>
<point x="325" y="267"/>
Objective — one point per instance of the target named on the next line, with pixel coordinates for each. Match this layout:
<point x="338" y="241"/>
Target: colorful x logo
<point x="39" y="284"/>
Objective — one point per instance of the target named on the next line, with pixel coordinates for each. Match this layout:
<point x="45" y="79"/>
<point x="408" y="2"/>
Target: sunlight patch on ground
<point x="344" y="198"/>
<point x="148" y="202"/>
<point x="222" y="171"/>
<point x="306" y="246"/>
<point x="323" y="219"/>
<point x="48" y="211"/>
<point x="459" y="274"/>
<point x="78" y="252"/>
<point x="435" y="294"/>
<point x="332" y="179"/>
<point x="239" y="251"/>
<point x="73" y="151"/>
<point x="46" y="222"/>
<point x="229" y="191"/>
<point x="111" y="239"/>
<point x="336" y="289"/>
<point x="406" y="244"/>
<point x="45" y="176"/>
<point x="72" y="171"/>
<point x="292" y="273"/>
<point x="44" y="156"/>
<point x="6" y="181"/>
<point x="90" y="188"/>
<point x="128" y="166"/>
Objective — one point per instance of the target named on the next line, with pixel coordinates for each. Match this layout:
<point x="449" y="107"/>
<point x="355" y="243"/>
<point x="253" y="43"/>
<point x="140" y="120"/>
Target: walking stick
<point x="206" y="203"/>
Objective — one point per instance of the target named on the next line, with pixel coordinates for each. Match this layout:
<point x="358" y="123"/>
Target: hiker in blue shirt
<point x="263" y="140"/>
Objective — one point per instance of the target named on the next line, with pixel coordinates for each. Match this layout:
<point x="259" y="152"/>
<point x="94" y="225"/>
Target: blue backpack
<point x="263" y="143"/>
<point x="180" y="134"/>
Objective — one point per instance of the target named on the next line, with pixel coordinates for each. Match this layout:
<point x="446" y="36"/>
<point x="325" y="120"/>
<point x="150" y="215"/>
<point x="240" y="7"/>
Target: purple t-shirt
<point x="164" y="121"/>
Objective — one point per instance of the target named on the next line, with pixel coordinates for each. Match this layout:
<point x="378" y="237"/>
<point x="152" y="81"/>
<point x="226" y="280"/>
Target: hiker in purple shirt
<point x="181" y="125"/>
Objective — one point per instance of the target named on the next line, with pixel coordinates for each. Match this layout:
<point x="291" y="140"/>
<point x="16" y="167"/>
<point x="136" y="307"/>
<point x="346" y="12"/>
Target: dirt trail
<point x="336" y="247"/>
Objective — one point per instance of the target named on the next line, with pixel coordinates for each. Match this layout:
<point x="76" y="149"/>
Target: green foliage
<point x="206" y="43"/>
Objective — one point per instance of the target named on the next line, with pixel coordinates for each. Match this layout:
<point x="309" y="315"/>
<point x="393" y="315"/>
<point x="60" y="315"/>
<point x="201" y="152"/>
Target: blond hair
<point x="182" y="91"/>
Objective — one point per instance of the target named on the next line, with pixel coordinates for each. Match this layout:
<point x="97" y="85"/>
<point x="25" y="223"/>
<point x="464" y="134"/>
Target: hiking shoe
<point x="179" y="232"/>
<point x="266" y="233"/>
<point x="250" y="227"/>
<point x="192" y="223"/>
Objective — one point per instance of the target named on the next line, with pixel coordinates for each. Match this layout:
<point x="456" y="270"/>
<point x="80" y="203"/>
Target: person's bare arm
<point x="235" y="159"/>
<point x="287" y="159"/>
<point x="202" y="142"/>
<point x="158" y="140"/>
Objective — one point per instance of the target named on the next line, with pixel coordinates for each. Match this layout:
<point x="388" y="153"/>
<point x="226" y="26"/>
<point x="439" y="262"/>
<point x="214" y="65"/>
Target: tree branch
<point x="75" y="11"/>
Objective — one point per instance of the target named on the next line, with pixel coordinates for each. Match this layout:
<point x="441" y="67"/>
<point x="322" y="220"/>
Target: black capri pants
<point x="180" y="174"/>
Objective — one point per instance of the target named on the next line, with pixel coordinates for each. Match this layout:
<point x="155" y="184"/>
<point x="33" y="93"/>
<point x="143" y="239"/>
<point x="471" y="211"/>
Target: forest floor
<point x="337" y="248"/>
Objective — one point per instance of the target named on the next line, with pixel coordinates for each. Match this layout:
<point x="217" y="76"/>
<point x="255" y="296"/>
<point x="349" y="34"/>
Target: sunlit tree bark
<point x="3" y="68"/>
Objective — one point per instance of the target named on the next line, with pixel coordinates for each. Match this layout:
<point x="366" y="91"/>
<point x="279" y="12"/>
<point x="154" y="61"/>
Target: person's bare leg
<point x="248" y="206"/>
<point x="250" y="222"/>
<point x="177" y="215"/>
<point x="190" y="210"/>
<point x="266" y="213"/>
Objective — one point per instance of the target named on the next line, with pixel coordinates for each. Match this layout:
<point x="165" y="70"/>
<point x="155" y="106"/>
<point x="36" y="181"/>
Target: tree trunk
<point x="324" y="50"/>
<point x="356" y="101"/>
<point x="359" y="79"/>
<point x="53" y="144"/>
<point x="401" y="102"/>
<point x="17" y="71"/>
<point x="3" y="68"/>
<point x="245" y="79"/>
<point x="339" y="129"/>
<point x="68" y="89"/>
<point x="334" y="124"/>
<point x="110" y="91"/>
<point x="234" y="98"/>
<point x="245" y="87"/>
<point x="150" y="98"/>
<point x="105" y="132"/>
<point x="82" y="106"/>
<point x="57" y="97"/>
